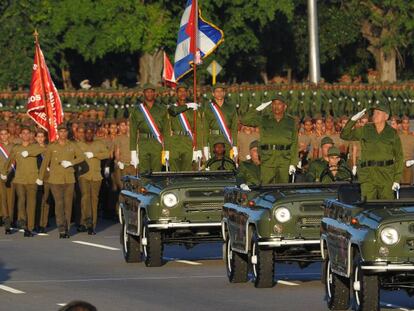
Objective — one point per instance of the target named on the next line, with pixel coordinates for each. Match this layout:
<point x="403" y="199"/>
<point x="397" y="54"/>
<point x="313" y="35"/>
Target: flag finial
<point x="36" y="35"/>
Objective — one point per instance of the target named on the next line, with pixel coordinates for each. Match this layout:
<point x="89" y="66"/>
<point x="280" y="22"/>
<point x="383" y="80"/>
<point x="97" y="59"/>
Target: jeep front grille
<point x="310" y="221"/>
<point x="203" y="206"/>
<point x="205" y="193"/>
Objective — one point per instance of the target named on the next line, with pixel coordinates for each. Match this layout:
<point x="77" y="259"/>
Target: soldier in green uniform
<point x="278" y="141"/>
<point x="60" y="158"/>
<point x="381" y="165"/>
<point x="317" y="166"/>
<point x="148" y="153"/>
<point x="214" y="126"/>
<point x="336" y="170"/>
<point x="219" y="161"/>
<point x="90" y="182"/>
<point x="26" y="173"/>
<point x="249" y="170"/>
<point x="179" y="133"/>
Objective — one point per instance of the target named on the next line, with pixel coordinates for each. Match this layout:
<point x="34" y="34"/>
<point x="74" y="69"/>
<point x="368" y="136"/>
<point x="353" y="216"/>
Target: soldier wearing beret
<point x="381" y="164"/>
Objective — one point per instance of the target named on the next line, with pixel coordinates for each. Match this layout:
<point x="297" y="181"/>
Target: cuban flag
<point x="196" y="40"/>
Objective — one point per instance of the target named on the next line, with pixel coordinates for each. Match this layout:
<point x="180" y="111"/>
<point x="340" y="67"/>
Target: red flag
<point x="168" y="72"/>
<point x="44" y="105"/>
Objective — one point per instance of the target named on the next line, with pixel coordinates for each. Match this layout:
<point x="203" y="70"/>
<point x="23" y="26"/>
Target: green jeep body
<point x="193" y="216"/>
<point x="254" y="235"/>
<point x="356" y="257"/>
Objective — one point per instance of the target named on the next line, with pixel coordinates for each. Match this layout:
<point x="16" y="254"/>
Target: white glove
<point x="121" y="165"/>
<point x="197" y="155"/>
<point x="409" y="163"/>
<point x="206" y="152"/>
<point x="292" y="169"/>
<point x="167" y="155"/>
<point x="193" y="106"/>
<point x="235" y="152"/>
<point x="395" y="186"/>
<point x="354" y="170"/>
<point x="299" y="166"/>
<point x="39" y="182"/>
<point x="89" y="155"/>
<point x="134" y="158"/>
<point x="3" y="177"/>
<point x="245" y="187"/>
<point x="359" y="115"/>
<point x="25" y="154"/>
<point x="66" y="164"/>
<point x="107" y="171"/>
<point x="263" y="106"/>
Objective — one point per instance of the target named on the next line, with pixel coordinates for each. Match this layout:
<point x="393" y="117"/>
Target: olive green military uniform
<point x="248" y="173"/>
<point x="61" y="179"/>
<point x="149" y="149"/>
<point x="6" y="191"/>
<point x="90" y="182"/>
<point x="278" y="145"/>
<point x="178" y="141"/>
<point x="25" y="182"/>
<point x="316" y="167"/>
<point x="224" y="164"/>
<point x="381" y="159"/>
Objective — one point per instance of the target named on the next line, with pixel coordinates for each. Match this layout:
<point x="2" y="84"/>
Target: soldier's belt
<point x="377" y="163"/>
<point x="275" y="147"/>
<point x="180" y="133"/>
<point x="216" y="132"/>
<point x="146" y="135"/>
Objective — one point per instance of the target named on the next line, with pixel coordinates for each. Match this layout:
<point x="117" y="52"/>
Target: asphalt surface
<point x="43" y="273"/>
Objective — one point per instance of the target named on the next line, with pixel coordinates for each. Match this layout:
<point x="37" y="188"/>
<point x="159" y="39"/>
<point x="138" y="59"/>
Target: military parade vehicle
<point x="165" y="207"/>
<point x="272" y="223"/>
<point x="366" y="246"/>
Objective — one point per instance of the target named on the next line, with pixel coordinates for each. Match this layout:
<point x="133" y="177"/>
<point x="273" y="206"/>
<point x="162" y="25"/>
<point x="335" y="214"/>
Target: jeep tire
<point x="365" y="287"/>
<point x="153" y="249"/>
<point x="262" y="264"/>
<point x="236" y="264"/>
<point x="336" y="288"/>
<point x="131" y="245"/>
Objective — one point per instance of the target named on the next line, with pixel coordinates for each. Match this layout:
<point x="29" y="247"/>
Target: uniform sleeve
<point x="241" y="175"/>
<point x="133" y="127"/>
<point x="12" y="157"/>
<point x="399" y="159"/>
<point x="350" y="133"/>
<point x="35" y="150"/>
<point x="45" y="162"/>
<point x="103" y="152"/>
<point x="166" y="128"/>
<point x="174" y="110"/>
<point x="79" y="156"/>
<point x="234" y="127"/>
<point x="251" y="118"/>
<point x="294" y="153"/>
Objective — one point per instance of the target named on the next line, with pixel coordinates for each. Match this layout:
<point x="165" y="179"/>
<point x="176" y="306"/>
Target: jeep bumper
<point x="279" y="243"/>
<point x="172" y="225"/>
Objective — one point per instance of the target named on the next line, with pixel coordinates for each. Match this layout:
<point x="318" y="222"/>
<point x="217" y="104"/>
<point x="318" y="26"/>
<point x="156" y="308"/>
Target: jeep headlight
<point x="282" y="214"/>
<point x="170" y="200"/>
<point x="389" y="236"/>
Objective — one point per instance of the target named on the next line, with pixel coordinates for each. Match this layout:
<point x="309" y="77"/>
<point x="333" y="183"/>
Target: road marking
<point x="42" y="234"/>
<point x="390" y="305"/>
<point x="194" y="263"/>
<point x="61" y="304"/>
<point x="286" y="283"/>
<point x="11" y="289"/>
<point x="97" y="245"/>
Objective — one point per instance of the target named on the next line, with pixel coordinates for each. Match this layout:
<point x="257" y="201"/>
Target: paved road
<point x="44" y="272"/>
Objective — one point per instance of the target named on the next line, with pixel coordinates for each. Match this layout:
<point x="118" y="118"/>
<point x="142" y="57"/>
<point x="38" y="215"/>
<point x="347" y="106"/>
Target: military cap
<point x="333" y="151"/>
<point x="381" y="105"/>
<point x="219" y="140"/>
<point x="280" y="98"/>
<point x="219" y="86"/>
<point x="254" y="144"/>
<point x="149" y="86"/>
<point x="326" y="140"/>
<point x="62" y="126"/>
<point x="182" y="86"/>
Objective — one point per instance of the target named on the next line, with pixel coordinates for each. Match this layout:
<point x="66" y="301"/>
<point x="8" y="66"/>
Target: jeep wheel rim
<point x="329" y="279"/>
<point x="229" y="255"/>
<point x="356" y="285"/>
<point x="254" y="264"/>
<point x="125" y="239"/>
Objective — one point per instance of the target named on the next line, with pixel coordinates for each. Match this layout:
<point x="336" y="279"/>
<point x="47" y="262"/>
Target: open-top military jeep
<point x="366" y="246"/>
<point x="272" y="223"/>
<point x="159" y="208"/>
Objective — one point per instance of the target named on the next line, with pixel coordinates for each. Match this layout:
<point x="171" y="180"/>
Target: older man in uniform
<point x="278" y="141"/>
<point x="249" y="170"/>
<point x="381" y="163"/>
<point x="60" y="158"/>
<point x="146" y="123"/>
<point x="25" y="158"/>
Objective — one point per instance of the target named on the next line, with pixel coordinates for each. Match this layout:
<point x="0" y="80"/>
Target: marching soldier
<point x="278" y="142"/>
<point x="179" y="133"/>
<point x="90" y="182"/>
<point x="26" y="173"/>
<point x="381" y="163"/>
<point x="60" y="158"/>
<point x="123" y="165"/>
<point x="146" y="123"/>
<point x="6" y="188"/>
<point x="40" y="138"/>
<point x="249" y="170"/>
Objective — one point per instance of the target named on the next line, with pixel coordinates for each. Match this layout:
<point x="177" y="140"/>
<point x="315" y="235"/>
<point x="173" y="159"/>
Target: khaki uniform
<point x="25" y="182"/>
<point x="62" y="179"/>
<point x="90" y="182"/>
<point x="244" y="141"/>
<point x="44" y="204"/>
<point x="305" y="144"/>
<point x="124" y="156"/>
<point x="248" y="173"/>
<point x="407" y="142"/>
<point x="6" y="191"/>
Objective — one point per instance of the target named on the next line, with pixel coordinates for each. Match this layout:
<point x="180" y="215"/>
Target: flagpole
<point x="195" y="72"/>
